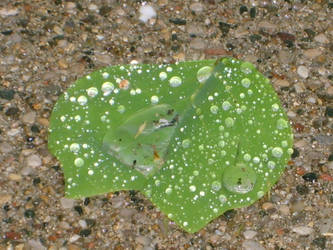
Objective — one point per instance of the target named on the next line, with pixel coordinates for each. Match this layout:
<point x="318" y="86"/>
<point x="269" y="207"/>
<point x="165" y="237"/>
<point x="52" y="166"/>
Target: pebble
<point x="299" y="87"/>
<point x="284" y="210"/>
<point x="8" y="12"/>
<point x="5" y="198"/>
<point x="249" y="234"/>
<point x="282" y="83"/>
<point x="74" y="238"/>
<point x="329" y="112"/>
<point x="267" y="206"/>
<point x="321" y="38"/>
<point x="291" y="114"/>
<point x="29" y="118"/>
<point x="117" y="202"/>
<point x="36" y="245"/>
<point x="324" y="139"/>
<point x="6" y="148"/>
<point x="7" y="94"/>
<point x="67" y="203"/>
<point x="267" y="26"/>
<point x="83" y="223"/>
<point x="303" y="71"/>
<point x="197" y="43"/>
<point x="312" y="53"/>
<point x="33" y="161"/>
<point x="302" y="230"/>
<point x="104" y="59"/>
<point x="127" y="213"/>
<point x="196" y="7"/>
<point x="15" y="177"/>
<point x="145" y="241"/>
<point x="252" y="245"/>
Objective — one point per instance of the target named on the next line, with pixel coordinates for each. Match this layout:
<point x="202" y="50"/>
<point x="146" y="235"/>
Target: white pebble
<point x="303" y="71"/>
<point x="146" y="12"/>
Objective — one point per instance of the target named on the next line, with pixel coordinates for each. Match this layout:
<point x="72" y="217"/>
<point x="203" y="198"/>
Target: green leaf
<point x="197" y="138"/>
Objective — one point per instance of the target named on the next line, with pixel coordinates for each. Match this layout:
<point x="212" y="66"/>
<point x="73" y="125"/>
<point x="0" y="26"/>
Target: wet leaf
<point x="197" y="138"/>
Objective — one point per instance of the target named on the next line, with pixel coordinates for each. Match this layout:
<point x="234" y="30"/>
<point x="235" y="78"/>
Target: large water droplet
<point x="82" y="100"/>
<point x="216" y="185"/>
<point x="204" y="73"/>
<point x="226" y="105"/>
<point x="79" y="162"/>
<point x="92" y="92"/>
<point x="186" y="143"/>
<point x="107" y="88"/>
<point x="214" y="109"/>
<point x="229" y="122"/>
<point x="175" y="81"/>
<point x="239" y="178"/>
<point x="154" y="99"/>
<point x="277" y="152"/>
<point x="246" y="82"/>
<point x="74" y="147"/>
<point x="282" y="123"/>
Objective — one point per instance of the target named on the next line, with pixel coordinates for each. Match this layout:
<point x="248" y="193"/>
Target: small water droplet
<point x="193" y="188"/>
<point x="271" y="164"/>
<point x="79" y="162"/>
<point x="175" y="81"/>
<point x="168" y="190"/>
<point x="105" y="75"/>
<point x="82" y="100"/>
<point x="163" y="76"/>
<point x="275" y="107"/>
<point x="246" y="82"/>
<point x="154" y="99"/>
<point x="204" y="73"/>
<point x="277" y="152"/>
<point x="229" y="122"/>
<point x="90" y="172"/>
<point x="247" y="157"/>
<point x="282" y="123"/>
<point x="214" y="109"/>
<point x="239" y="178"/>
<point x="107" y="88"/>
<point x="216" y="185"/>
<point x="121" y="109"/>
<point x="260" y="194"/>
<point x="77" y="118"/>
<point x="222" y="198"/>
<point x="169" y="69"/>
<point x="186" y="143"/>
<point x="226" y="105"/>
<point x="247" y="68"/>
<point x="74" y="147"/>
<point x="92" y="92"/>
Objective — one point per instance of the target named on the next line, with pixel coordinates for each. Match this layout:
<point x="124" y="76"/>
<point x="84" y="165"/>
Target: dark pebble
<point x="242" y="9"/>
<point x="330" y="157"/>
<point x="295" y="153"/>
<point x="253" y="12"/>
<point x="7" y="94"/>
<point x="7" y="32"/>
<point x="320" y="242"/>
<point x="177" y="21"/>
<point x="35" y="129"/>
<point x="104" y="10"/>
<point x="56" y="168"/>
<point x="30" y="139"/>
<point x="230" y="214"/>
<point x="12" y="111"/>
<point x="86" y="201"/>
<point x="91" y="222"/>
<point x="329" y="111"/>
<point x="174" y="37"/>
<point x="286" y="36"/>
<point x="230" y="46"/>
<point x="302" y="189"/>
<point x="6" y="207"/>
<point x="29" y="213"/>
<point x="85" y="232"/>
<point x="310" y="33"/>
<point x="79" y="210"/>
<point x="224" y="27"/>
<point x="36" y="181"/>
<point x="311" y="177"/>
<point x="255" y="37"/>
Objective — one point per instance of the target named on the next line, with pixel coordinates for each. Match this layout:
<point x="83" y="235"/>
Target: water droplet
<point x="169" y="69"/>
<point x="163" y="76"/>
<point x="247" y="68"/>
<point x="193" y="188"/>
<point x="239" y="178"/>
<point x="260" y="194"/>
<point x="74" y="147"/>
<point x="121" y="109"/>
<point x="82" y="100"/>
<point x="290" y="151"/>
<point x="256" y="159"/>
<point x="204" y="73"/>
<point x="111" y="102"/>
<point x="154" y="99"/>
<point x="284" y="144"/>
<point x="247" y="157"/>
<point x="242" y="95"/>
<point x="246" y="82"/>
<point x="168" y="190"/>
<point x="221" y="144"/>
<point x="107" y="88"/>
<point x="90" y="172"/>
<point x="222" y="198"/>
<point x="271" y="164"/>
<point x="157" y="182"/>
<point x="79" y="162"/>
<point x="77" y="118"/>
<point x="214" y="109"/>
<point x="282" y="123"/>
<point x="277" y="152"/>
<point x="186" y="143"/>
<point x="105" y="75"/>
<point x="175" y="81"/>
<point x="185" y="223"/>
<point x="195" y="172"/>
<point x="226" y="105"/>
<point x="275" y="107"/>
<point x="216" y="185"/>
<point x="92" y="92"/>
<point x="229" y="122"/>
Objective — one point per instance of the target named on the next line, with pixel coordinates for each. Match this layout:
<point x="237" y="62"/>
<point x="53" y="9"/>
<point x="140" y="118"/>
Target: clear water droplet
<point x="214" y="109"/>
<point x="121" y="109"/>
<point x="186" y="143"/>
<point x="204" y="73"/>
<point x="275" y="107"/>
<point x="271" y="164"/>
<point x="175" y="81"/>
<point x="79" y="162"/>
<point x="92" y="92"/>
<point x="246" y="82"/>
<point x="226" y="105"/>
<point x="260" y="194"/>
<point x="277" y="152"/>
<point x="74" y="147"/>
<point x="282" y="123"/>
<point x="229" y="122"/>
<point x="239" y="178"/>
<point x="90" y="172"/>
<point x="107" y="88"/>
<point x="168" y="190"/>
<point x="193" y="188"/>
<point x="154" y="99"/>
<point x="247" y="68"/>
<point x="82" y="100"/>
<point x="222" y="198"/>
<point x="247" y="157"/>
<point x="163" y="76"/>
<point x="216" y="185"/>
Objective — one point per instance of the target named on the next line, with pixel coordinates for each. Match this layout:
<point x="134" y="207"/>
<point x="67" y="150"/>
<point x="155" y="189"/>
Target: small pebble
<point x="252" y="245"/>
<point x="67" y="203"/>
<point x="5" y="198"/>
<point x="33" y="161"/>
<point x="329" y="111"/>
<point x="127" y="213"/>
<point x="267" y="206"/>
<point x="284" y="210"/>
<point x="6" y="148"/>
<point x="310" y="177"/>
<point x="321" y="38"/>
<point x="312" y="53"/>
<point x="7" y="94"/>
<point x="282" y="83"/>
<point x="320" y="242"/>
<point x="302" y="189"/>
<point x="196" y="7"/>
<point x="197" y="43"/>
<point x="302" y="230"/>
<point x="249" y="234"/>
<point x="36" y="245"/>
<point x="303" y="71"/>
<point x="74" y="238"/>
<point x="29" y="118"/>
<point x="177" y="21"/>
<point x="85" y="232"/>
<point x="145" y="241"/>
